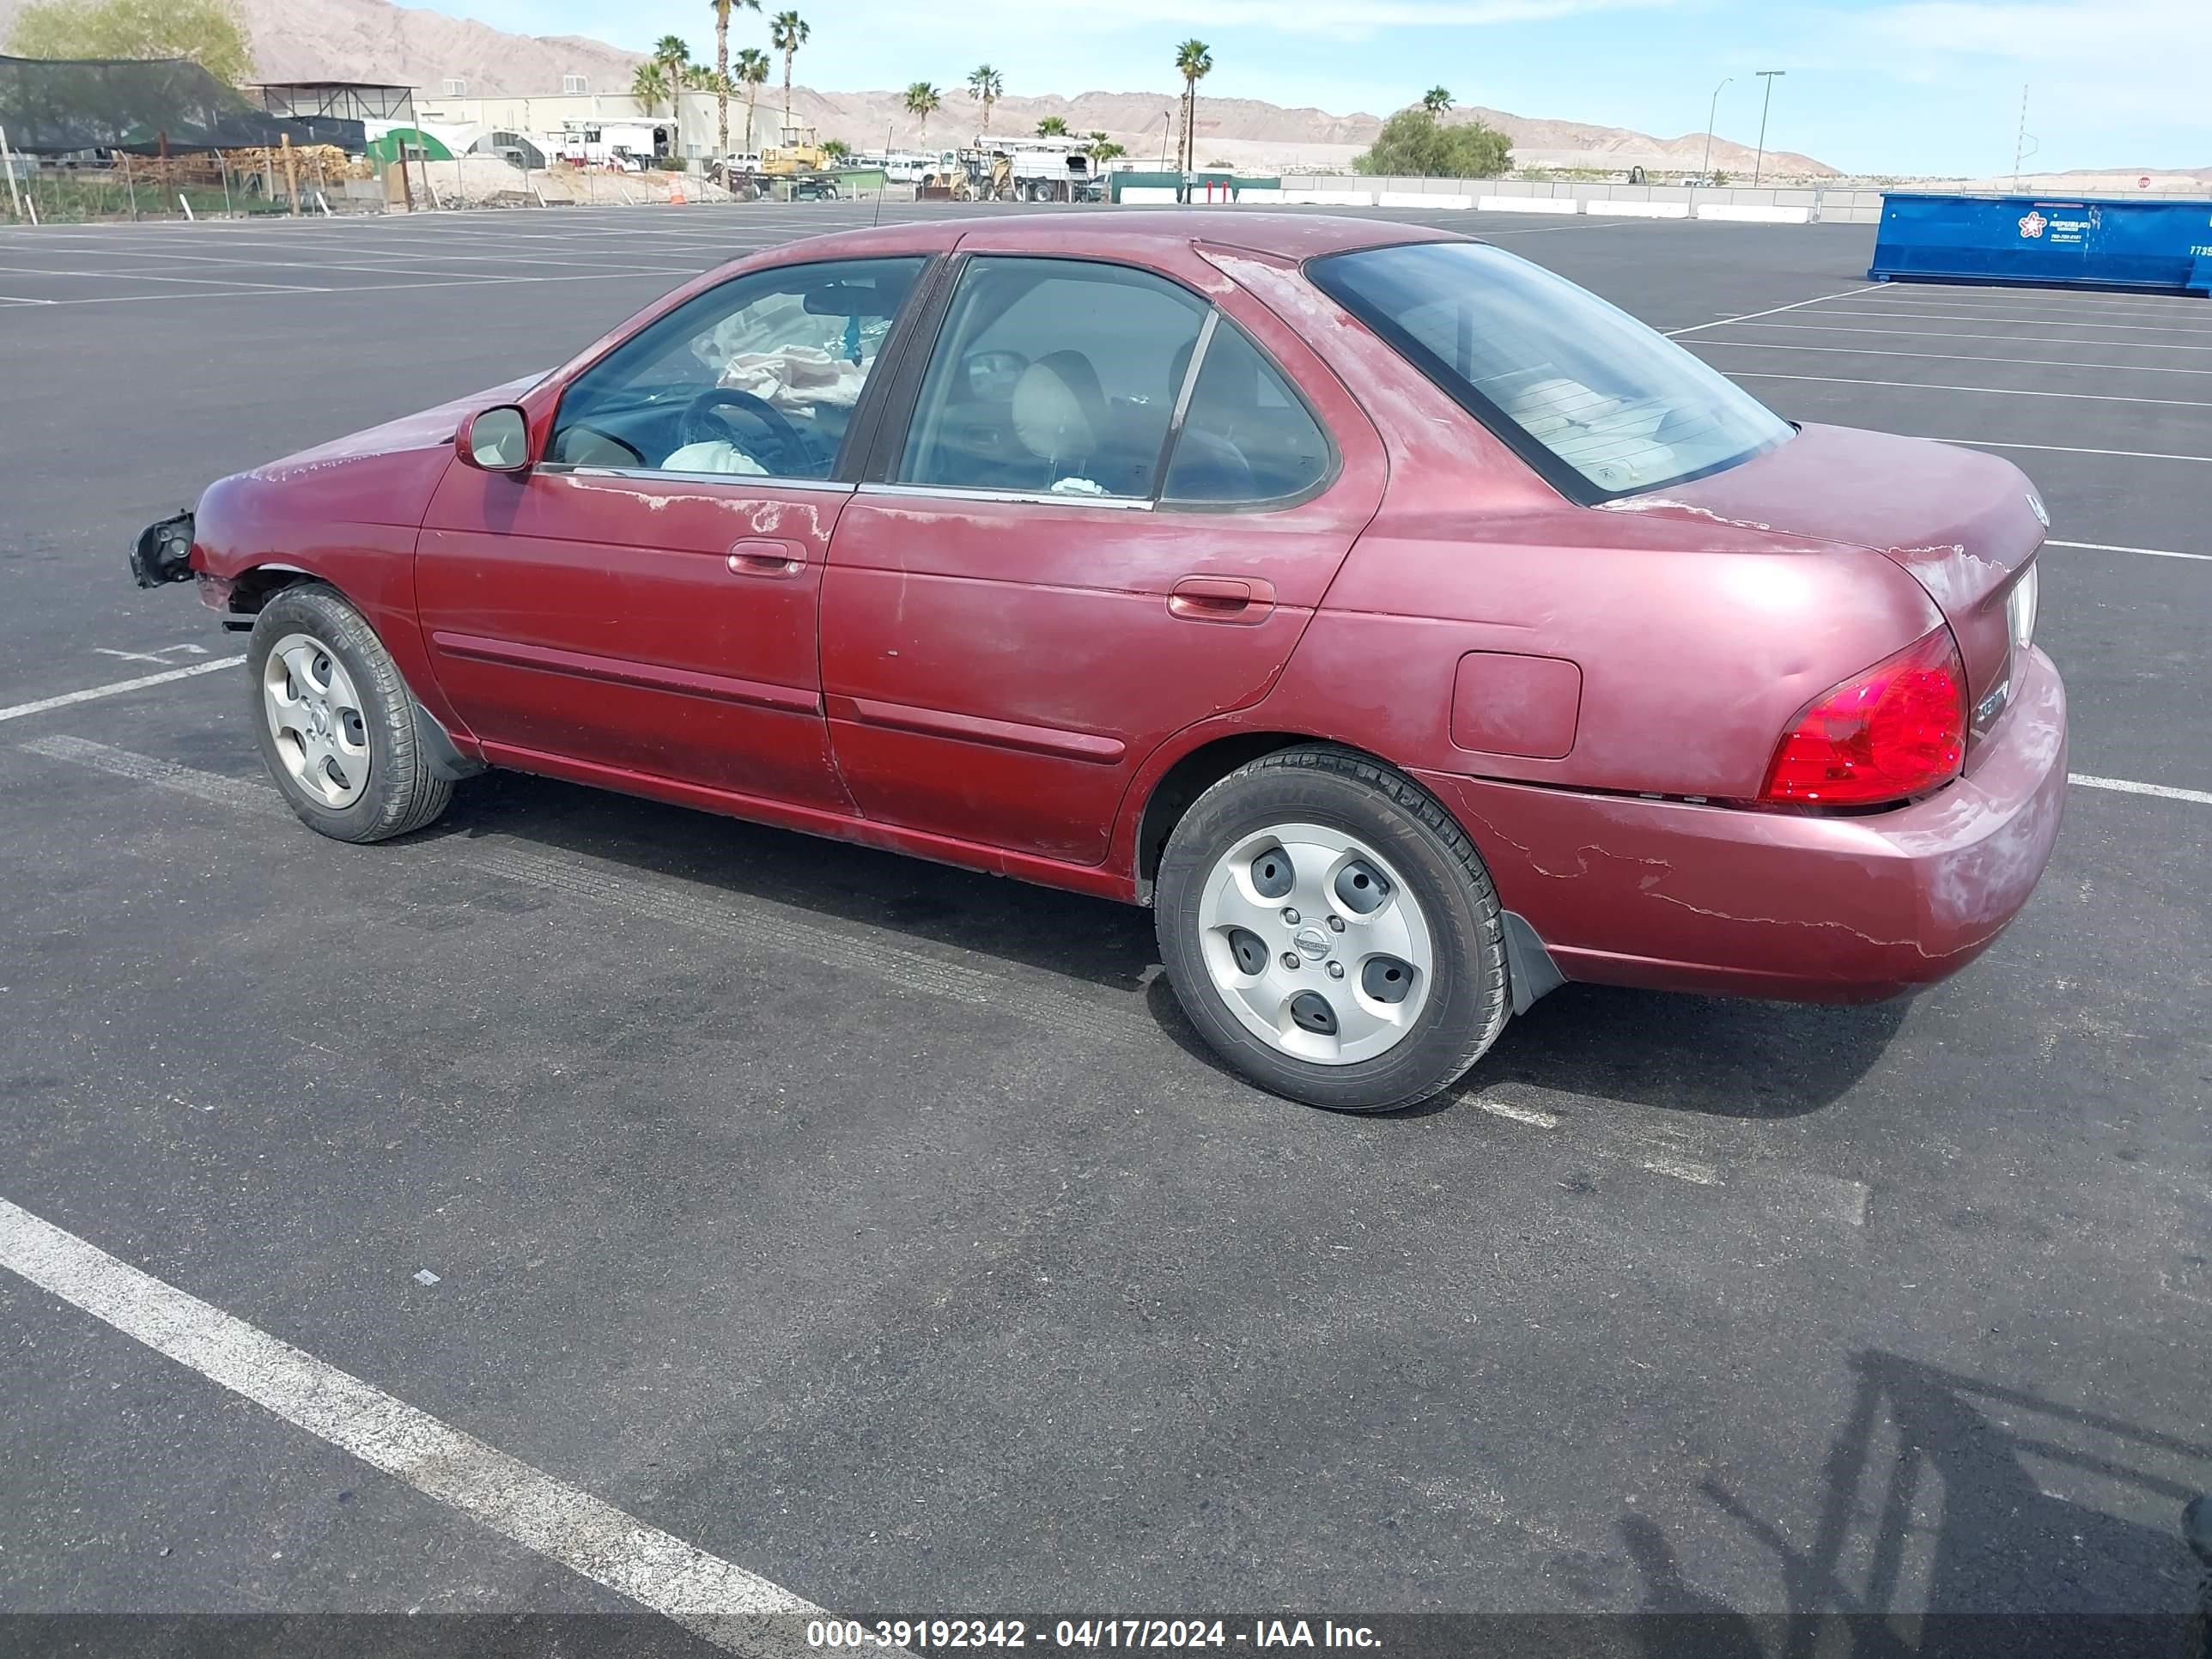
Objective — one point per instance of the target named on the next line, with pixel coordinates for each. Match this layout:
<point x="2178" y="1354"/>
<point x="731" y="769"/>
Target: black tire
<point x="402" y="793"/>
<point x="1468" y="1000"/>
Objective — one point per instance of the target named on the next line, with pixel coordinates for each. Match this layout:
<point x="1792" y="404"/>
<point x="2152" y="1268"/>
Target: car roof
<point x="1139" y="232"/>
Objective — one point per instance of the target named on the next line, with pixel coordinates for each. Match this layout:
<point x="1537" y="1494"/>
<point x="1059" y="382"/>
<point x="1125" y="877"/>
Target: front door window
<point x="756" y="377"/>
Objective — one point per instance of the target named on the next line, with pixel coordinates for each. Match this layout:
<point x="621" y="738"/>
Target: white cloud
<point x="1330" y="18"/>
<point x="2092" y="66"/>
<point x="2110" y="34"/>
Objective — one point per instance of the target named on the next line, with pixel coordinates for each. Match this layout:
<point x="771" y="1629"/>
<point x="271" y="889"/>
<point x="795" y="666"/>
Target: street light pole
<point x="1759" y="166"/>
<point x="1710" y="113"/>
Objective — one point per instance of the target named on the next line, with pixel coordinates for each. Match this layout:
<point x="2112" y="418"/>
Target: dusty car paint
<point x="1016" y="685"/>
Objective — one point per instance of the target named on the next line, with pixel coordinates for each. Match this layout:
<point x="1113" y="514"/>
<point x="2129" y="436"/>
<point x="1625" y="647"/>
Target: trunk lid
<point x="1961" y="522"/>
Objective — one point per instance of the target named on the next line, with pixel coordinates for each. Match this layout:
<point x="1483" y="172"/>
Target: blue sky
<point x="1888" y="86"/>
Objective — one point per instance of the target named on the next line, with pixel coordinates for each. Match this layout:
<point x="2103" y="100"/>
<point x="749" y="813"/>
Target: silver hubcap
<point x="1315" y="944"/>
<point x="314" y="715"/>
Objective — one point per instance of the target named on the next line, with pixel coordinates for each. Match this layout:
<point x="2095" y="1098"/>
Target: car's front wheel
<point x="335" y="721"/>
<point x="1332" y="931"/>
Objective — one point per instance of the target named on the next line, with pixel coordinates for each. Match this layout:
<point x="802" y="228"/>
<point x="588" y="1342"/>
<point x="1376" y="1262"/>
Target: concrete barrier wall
<point x="1746" y="213"/>
<point x="1732" y="204"/>
<point x="1528" y="204"/>
<point x="1531" y="195"/>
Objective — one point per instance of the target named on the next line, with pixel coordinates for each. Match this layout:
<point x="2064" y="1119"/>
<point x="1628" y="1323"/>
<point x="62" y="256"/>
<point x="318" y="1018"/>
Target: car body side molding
<point x="720" y="688"/>
<point x="973" y="728"/>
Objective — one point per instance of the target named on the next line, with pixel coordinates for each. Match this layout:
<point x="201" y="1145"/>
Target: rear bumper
<point x="1674" y="896"/>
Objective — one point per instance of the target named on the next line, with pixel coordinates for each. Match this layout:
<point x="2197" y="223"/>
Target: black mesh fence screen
<point x="56" y="107"/>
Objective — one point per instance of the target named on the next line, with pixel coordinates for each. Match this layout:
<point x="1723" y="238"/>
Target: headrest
<point x="1059" y="409"/>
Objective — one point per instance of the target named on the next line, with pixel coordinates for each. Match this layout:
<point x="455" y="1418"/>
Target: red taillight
<point x="1894" y="732"/>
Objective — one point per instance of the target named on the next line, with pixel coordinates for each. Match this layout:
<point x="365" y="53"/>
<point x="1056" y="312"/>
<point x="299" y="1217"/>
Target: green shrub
<point x="1413" y="144"/>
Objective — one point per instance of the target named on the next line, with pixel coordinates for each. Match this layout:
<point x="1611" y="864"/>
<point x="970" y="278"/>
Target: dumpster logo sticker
<point x="2033" y="223"/>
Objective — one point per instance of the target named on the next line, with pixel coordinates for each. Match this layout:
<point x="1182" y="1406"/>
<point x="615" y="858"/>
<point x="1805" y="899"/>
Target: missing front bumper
<point x="163" y="553"/>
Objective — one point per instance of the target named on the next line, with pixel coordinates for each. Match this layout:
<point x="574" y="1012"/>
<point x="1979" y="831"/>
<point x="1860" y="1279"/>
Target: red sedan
<point x="1410" y="628"/>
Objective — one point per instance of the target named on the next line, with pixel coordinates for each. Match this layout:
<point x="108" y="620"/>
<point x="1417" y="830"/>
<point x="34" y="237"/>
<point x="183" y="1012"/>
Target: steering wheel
<point x="706" y="419"/>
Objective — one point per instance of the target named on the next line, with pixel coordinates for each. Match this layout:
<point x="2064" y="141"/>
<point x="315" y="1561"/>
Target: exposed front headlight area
<point x="2019" y="609"/>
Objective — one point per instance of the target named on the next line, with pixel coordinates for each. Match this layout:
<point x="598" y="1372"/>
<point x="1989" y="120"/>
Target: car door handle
<point x="1221" y="598"/>
<point x="761" y="557"/>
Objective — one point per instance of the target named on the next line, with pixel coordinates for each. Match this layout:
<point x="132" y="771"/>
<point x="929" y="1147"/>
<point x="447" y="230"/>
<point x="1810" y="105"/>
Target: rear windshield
<point x="1599" y="403"/>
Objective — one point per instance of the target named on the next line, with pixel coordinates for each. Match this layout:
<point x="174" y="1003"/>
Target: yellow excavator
<point x="800" y="151"/>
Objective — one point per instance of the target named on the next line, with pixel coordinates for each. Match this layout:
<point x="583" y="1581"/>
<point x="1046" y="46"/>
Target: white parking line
<point x="1984" y="317"/>
<point x="1993" y="391"/>
<point x="117" y="688"/>
<point x="427" y="265"/>
<point x="1949" y="334"/>
<point x="1953" y="357"/>
<point x="2164" y="792"/>
<point x="2005" y="300"/>
<point x="1534" y="1117"/>
<point x="2149" y="552"/>
<point x="703" y="1593"/>
<point x="142" y="276"/>
<point x="2069" y="449"/>
<point x="1772" y="311"/>
<point x="377" y="288"/>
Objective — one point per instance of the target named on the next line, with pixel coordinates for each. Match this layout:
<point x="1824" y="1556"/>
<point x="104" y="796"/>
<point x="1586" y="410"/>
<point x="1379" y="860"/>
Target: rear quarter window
<point x="1599" y="403"/>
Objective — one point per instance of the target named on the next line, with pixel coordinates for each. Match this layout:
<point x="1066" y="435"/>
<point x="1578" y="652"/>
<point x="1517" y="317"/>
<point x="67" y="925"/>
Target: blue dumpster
<point x="2124" y="243"/>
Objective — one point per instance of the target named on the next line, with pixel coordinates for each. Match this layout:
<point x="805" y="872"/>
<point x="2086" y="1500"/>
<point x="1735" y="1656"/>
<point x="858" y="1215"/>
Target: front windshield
<point x="1599" y="403"/>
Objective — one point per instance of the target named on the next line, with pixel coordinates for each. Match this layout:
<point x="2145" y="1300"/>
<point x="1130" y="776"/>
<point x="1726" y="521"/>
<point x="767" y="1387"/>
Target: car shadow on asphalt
<point x="1711" y="1056"/>
<point x="1087" y="940"/>
<point x="1717" y="1057"/>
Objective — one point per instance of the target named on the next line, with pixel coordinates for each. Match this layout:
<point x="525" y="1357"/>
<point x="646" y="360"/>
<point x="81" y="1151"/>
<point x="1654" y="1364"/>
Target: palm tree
<point x="786" y="32"/>
<point x="921" y="102"/>
<point x="1052" y="127"/>
<point x="1102" y="148"/>
<point x="1436" y="100"/>
<point x="697" y="77"/>
<point x="648" y="84"/>
<point x="1194" y="61"/>
<point x="984" y="85"/>
<point x="722" y="10"/>
<point x="753" y="66"/>
<point x="674" y="58"/>
<point x="837" y="150"/>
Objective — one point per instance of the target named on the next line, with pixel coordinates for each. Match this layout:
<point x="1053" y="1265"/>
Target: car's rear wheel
<point x="1332" y="931"/>
<point x="335" y="721"/>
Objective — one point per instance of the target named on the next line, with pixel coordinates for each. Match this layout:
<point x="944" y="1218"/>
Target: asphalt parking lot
<point x="881" y="1234"/>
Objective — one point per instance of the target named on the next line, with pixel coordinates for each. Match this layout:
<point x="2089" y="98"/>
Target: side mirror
<point x="495" y="440"/>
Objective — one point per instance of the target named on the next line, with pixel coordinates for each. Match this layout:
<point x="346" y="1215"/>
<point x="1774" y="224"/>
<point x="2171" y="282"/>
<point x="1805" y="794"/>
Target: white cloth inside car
<point x="795" y="378"/>
<point x="712" y="455"/>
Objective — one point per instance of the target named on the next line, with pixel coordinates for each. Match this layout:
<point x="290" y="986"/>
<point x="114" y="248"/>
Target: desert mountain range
<point x="374" y="40"/>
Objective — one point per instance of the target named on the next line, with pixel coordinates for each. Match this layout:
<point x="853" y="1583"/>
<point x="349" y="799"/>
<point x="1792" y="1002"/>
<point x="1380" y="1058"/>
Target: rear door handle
<point x="1221" y="598"/>
<point x="758" y="557"/>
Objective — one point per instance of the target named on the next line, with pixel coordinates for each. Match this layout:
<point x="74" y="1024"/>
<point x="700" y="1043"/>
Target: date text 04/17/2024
<point x="939" y="1635"/>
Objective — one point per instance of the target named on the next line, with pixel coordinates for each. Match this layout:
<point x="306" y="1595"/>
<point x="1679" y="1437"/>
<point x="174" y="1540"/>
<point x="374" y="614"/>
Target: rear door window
<point x="1246" y="437"/>
<point x="1052" y="377"/>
